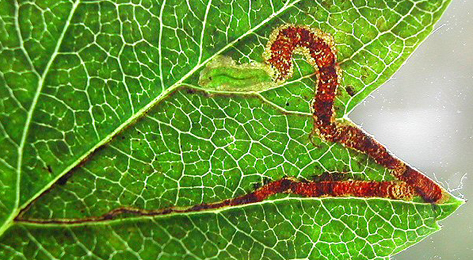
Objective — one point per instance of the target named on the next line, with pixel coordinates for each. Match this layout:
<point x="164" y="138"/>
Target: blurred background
<point x="424" y="115"/>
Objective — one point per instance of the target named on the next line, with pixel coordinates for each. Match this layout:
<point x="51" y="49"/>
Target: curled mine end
<point x="224" y="74"/>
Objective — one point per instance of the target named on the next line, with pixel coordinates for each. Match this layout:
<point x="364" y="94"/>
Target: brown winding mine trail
<point x="380" y="189"/>
<point x="318" y="48"/>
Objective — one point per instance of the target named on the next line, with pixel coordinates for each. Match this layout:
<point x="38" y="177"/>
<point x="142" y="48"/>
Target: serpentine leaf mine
<point x="223" y="74"/>
<point x="368" y="189"/>
<point x="318" y="48"/>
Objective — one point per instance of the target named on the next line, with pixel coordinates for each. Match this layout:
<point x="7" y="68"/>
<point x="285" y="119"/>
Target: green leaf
<point x="104" y="105"/>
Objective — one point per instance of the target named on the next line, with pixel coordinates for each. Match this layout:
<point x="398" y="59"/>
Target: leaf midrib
<point x="223" y="209"/>
<point x="30" y="113"/>
<point x="117" y="130"/>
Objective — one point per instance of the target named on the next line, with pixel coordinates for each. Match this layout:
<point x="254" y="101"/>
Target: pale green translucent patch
<point x="224" y="74"/>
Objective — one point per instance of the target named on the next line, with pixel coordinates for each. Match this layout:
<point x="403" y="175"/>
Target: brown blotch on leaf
<point x="350" y="90"/>
<point x="63" y="180"/>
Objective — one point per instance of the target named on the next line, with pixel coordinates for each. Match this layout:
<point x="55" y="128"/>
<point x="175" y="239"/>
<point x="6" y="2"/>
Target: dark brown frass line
<point x="318" y="48"/>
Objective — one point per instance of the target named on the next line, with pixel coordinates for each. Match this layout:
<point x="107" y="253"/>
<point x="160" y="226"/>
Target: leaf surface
<point x="102" y="108"/>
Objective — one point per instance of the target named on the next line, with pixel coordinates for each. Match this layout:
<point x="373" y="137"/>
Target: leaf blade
<point x="294" y="228"/>
<point x="109" y="117"/>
